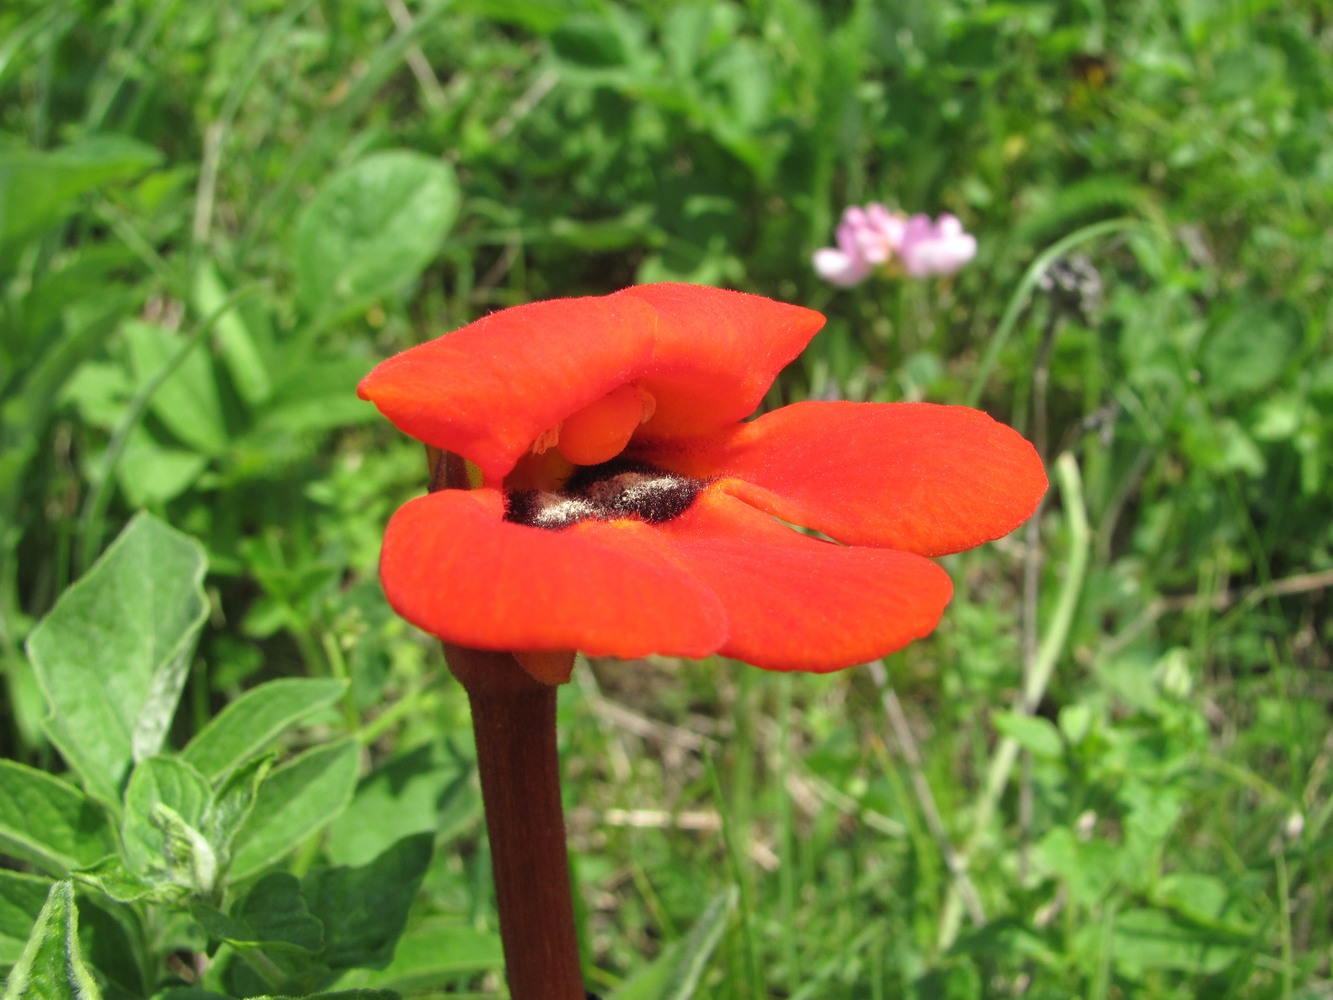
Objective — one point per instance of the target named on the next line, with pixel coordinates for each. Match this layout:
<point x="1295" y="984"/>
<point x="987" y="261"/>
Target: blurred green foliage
<point x="214" y="218"/>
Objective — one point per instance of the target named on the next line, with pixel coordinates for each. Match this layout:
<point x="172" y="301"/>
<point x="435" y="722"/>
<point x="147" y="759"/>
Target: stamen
<point x="649" y="495"/>
<point x="546" y="440"/>
<point x="619" y="490"/>
<point x="543" y="509"/>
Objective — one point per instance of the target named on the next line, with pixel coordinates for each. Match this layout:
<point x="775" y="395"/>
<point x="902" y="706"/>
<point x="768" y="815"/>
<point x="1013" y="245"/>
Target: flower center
<point x="611" y="491"/>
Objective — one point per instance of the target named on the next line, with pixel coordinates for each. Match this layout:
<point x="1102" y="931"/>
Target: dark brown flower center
<point x="607" y="492"/>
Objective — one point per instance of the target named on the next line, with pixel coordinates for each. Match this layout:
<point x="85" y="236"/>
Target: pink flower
<point x="935" y="247"/>
<point x="873" y="238"/>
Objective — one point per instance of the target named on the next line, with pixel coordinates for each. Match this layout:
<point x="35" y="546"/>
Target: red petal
<point x="912" y="476"/>
<point x="798" y="603"/>
<point x="488" y="390"/>
<point x="452" y="566"/>
<point x="716" y="353"/>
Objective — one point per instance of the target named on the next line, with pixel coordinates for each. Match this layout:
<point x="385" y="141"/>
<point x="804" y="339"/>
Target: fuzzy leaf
<point x="254" y="720"/>
<point x="112" y="655"/>
<point x="52" y="966"/>
<point x="50" y="822"/>
<point x="298" y="799"/>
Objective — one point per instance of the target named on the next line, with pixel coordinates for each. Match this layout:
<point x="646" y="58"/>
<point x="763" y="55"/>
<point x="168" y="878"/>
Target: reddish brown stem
<point x="513" y="718"/>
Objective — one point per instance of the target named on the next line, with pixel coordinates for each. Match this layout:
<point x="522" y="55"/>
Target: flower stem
<point x="513" y="720"/>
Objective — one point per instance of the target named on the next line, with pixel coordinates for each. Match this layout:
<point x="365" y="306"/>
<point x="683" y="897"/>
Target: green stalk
<point x="1048" y="654"/>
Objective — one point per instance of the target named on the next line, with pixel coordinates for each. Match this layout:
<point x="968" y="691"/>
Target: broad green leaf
<point x="21" y="900"/>
<point x="590" y="42"/>
<point x="1075" y="723"/>
<point x="1088" y="866"/>
<point x="150" y="473"/>
<point x="1145" y="940"/>
<point x="538" y="16"/>
<point x="1203" y="899"/>
<point x="298" y="799"/>
<point x="1031" y="732"/>
<point x="1236" y="450"/>
<point x="677" y="972"/>
<point x="51" y="966"/>
<point x="1249" y="351"/>
<point x="38" y="187"/>
<point x="188" y="402"/>
<point x="1006" y="938"/>
<point x="50" y="822"/>
<point x="111" y="878"/>
<point x="433" y="953"/>
<point x="236" y="343"/>
<point x="318" y="394"/>
<point x="112" y="655"/>
<point x="276" y="910"/>
<point x="164" y="801"/>
<point x="364" y="910"/>
<point x="253" y="721"/>
<point x="273" y="913"/>
<point x="371" y="229"/>
<point x="427" y="789"/>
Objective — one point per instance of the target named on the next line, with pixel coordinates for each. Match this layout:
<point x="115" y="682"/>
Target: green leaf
<point x="149" y="473"/>
<point x="232" y="803"/>
<point x="1145" y="940"/>
<point x="1075" y="723"/>
<point x="1088" y="866"/>
<point x="188" y="402"/>
<point x="50" y="822"/>
<point x="433" y="953"/>
<point x="427" y="789"/>
<point x="676" y="973"/>
<point x="111" y="878"/>
<point x="1249" y="351"/>
<point x="1203" y="899"/>
<point x="112" y="655"/>
<point x="38" y="188"/>
<point x="177" y="832"/>
<point x="253" y="721"/>
<point x="51" y="966"/>
<point x="364" y="910"/>
<point x="273" y="913"/>
<point x="298" y="799"/>
<point x="21" y="900"/>
<point x="538" y="16"/>
<point x="162" y="828"/>
<point x="590" y="42"/>
<point x="1031" y="732"/>
<point x="110" y="936"/>
<point x="240" y="353"/>
<point x="371" y="229"/>
<point x="316" y="396"/>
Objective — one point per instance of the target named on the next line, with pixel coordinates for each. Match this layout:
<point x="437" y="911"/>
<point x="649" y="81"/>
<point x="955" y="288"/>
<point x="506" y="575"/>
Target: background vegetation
<point x="1108" y="773"/>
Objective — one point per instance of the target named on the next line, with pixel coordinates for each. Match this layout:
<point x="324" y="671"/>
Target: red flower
<point x="622" y="508"/>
